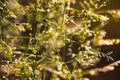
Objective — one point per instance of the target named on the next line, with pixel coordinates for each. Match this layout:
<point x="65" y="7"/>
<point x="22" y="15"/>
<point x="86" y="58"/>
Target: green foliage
<point x="37" y="39"/>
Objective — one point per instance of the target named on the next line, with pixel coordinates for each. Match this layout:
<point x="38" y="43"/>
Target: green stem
<point x="44" y="73"/>
<point x="2" y="40"/>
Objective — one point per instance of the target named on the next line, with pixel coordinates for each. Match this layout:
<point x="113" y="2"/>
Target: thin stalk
<point x="3" y="39"/>
<point x="63" y="28"/>
<point x="44" y="73"/>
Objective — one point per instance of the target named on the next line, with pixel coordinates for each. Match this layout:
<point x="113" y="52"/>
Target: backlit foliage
<point x="50" y="39"/>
